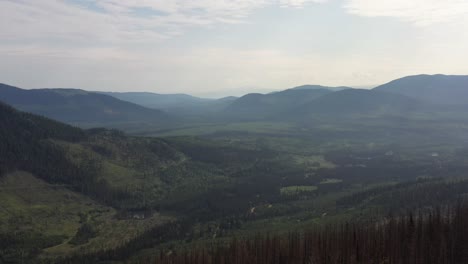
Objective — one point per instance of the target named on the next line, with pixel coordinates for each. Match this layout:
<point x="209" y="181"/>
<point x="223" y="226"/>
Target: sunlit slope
<point x="36" y="215"/>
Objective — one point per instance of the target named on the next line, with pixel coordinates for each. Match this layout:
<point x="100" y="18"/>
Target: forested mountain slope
<point x="258" y="106"/>
<point x="440" y="89"/>
<point x="159" y="101"/>
<point x="78" y="106"/>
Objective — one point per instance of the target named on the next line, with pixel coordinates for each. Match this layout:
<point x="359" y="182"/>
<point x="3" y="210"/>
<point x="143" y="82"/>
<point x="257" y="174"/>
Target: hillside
<point x="114" y="197"/>
<point x="22" y="145"/>
<point x="64" y="190"/>
<point x="158" y="101"/>
<point x="439" y="89"/>
<point x="433" y="238"/>
<point x="115" y="186"/>
<point x="101" y="194"/>
<point x="257" y="106"/>
<point x="39" y="218"/>
<point x="233" y="132"/>
<point x="57" y="200"/>
<point x="105" y="164"/>
<point x="181" y="105"/>
<point x="361" y="102"/>
<point x="78" y="106"/>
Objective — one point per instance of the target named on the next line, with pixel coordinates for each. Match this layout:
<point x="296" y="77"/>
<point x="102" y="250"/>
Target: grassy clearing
<point x="313" y="162"/>
<point x="119" y="163"/>
<point x="206" y="129"/>
<point x="331" y="181"/>
<point x="118" y="176"/>
<point x="32" y="206"/>
<point x="293" y="190"/>
<point x="111" y="233"/>
<point x="29" y="203"/>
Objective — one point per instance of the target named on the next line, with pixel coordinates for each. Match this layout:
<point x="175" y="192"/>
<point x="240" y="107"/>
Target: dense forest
<point x="233" y="132"/>
<point x="438" y="237"/>
<point x="432" y="236"/>
<point x="24" y="146"/>
<point x="356" y="188"/>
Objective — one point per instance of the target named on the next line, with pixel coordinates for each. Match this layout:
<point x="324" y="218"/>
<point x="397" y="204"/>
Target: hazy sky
<point x="221" y="47"/>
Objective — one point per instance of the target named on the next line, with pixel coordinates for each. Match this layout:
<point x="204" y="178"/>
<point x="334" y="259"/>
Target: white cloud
<point x="298" y="3"/>
<point x="117" y="44"/>
<point x="111" y="21"/>
<point x="418" y="12"/>
<point x="202" y="71"/>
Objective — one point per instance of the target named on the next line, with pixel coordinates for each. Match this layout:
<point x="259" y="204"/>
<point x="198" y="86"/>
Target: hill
<point x="407" y="240"/>
<point x="101" y="196"/>
<point x="359" y="102"/>
<point x="101" y="188"/>
<point x="22" y="135"/>
<point x="257" y="106"/>
<point x="58" y="194"/>
<point x="439" y="89"/>
<point x="56" y="180"/>
<point x="158" y="101"/>
<point x="182" y="105"/>
<point x="78" y="106"/>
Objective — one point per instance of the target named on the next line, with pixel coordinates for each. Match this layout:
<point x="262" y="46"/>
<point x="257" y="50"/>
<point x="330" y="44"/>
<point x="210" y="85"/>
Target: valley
<point x="289" y="163"/>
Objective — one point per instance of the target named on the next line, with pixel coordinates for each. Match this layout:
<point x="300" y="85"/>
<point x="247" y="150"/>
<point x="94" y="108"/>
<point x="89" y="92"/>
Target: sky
<point x="215" y="48"/>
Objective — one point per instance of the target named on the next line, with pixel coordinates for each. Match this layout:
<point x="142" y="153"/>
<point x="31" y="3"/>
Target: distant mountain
<point x="78" y="106"/>
<point x="182" y="105"/>
<point x="318" y="87"/>
<point x="158" y="101"/>
<point x="227" y="99"/>
<point x="439" y="89"/>
<point x="359" y="101"/>
<point x="252" y="106"/>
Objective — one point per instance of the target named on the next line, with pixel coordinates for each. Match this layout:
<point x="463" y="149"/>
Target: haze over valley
<point x="235" y="132"/>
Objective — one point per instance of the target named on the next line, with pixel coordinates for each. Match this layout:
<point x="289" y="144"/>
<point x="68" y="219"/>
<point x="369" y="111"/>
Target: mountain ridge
<point x="77" y="106"/>
<point x="437" y="88"/>
<point x="257" y="105"/>
<point x="316" y="86"/>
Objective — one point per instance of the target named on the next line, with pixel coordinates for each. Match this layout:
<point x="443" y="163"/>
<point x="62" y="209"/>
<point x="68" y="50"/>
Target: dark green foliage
<point x="24" y="144"/>
<point x="84" y="234"/>
<point x="211" y="152"/>
<point x="436" y="237"/>
<point x="24" y="246"/>
<point x="231" y="182"/>
<point x="167" y="232"/>
<point x="409" y="195"/>
<point x="35" y="127"/>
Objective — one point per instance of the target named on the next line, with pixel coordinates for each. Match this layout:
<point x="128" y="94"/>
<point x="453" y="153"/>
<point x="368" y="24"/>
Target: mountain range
<point x="359" y="101"/>
<point x="255" y="106"/>
<point x="438" y="89"/>
<point x="78" y="106"/>
<point x="74" y="195"/>
<point x="411" y="94"/>
<point x="158" y="101"/>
